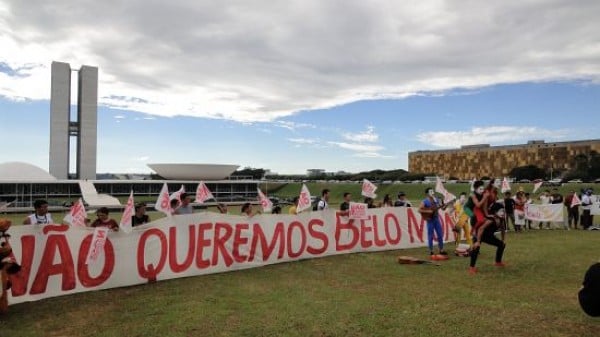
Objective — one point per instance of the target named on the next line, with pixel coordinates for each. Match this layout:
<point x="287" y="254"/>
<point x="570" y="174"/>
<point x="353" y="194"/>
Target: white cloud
<point x="142" y="158"/>
<point x="256" y="61"/>
<point x="489" y="135"/>
<point x="371" y="155"/>
<point x="368" y="135"/>
<point x="364" y="148"/>
<point x="119" y="117"/>
<point x="303" y="140"/>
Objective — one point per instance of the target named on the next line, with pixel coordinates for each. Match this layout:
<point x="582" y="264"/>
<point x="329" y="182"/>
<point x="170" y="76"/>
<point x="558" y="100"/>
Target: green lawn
<point x="365" y="294"/>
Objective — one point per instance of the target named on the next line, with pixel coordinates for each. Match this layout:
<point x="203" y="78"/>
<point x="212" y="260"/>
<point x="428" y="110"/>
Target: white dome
<point x="23" y="171"/>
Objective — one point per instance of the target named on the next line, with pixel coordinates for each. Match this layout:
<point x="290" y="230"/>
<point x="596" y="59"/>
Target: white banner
<point x="547" y="212"/>
<point x="595" y="210"/>
<point x="53" y="256"/>
<point x="519" y="217"/>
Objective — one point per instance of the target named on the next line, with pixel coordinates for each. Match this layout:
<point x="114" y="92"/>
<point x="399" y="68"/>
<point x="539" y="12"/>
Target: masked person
<point x="429" y="210"/>
<point x="462" y="220"/>
<point x="485" y="233"/>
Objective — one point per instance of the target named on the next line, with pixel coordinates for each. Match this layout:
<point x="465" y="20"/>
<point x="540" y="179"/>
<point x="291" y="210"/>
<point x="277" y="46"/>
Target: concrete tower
<point x="62" y="127"/>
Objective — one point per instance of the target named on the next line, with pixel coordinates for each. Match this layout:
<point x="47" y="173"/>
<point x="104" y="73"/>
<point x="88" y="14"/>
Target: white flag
<point x="163" y="203"/>
<point x="439" y="187"/>
<point x="303" y="199"/>
<point x="505" y="186"/>
<point x="203" y="193"/>
<point x="575" y="201"/>
<point x="537" y="185"/>
<point x="97" y="245"/>
<point x="177" y="195"/>
<point x="77" y="214"/>
<point x="266" y="204"/>
<point x="368" y="189"/>
<point x="125" y="223"/>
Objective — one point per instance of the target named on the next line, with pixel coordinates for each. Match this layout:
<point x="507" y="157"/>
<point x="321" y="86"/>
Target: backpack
<point x="315" y="205"/>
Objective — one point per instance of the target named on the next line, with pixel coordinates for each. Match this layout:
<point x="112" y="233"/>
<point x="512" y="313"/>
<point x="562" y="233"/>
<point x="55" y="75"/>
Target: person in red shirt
<point x="104" y="221"/>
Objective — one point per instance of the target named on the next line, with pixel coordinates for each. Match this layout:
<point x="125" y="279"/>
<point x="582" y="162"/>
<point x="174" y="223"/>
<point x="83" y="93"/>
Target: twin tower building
<point x="73" y="128"/>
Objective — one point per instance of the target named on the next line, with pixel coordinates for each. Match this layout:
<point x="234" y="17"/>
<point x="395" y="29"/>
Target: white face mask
<point x="497" y="183"/>
<point x="432" y="193"/>
<point x="462" y="198"/>
<point x="480" y="190"/>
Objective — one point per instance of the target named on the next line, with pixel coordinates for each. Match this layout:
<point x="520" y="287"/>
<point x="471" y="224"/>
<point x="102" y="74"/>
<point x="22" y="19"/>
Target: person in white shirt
<point x="323" y="203"/>
<point x="587" y="219"/>
<point x="40" y="216"/>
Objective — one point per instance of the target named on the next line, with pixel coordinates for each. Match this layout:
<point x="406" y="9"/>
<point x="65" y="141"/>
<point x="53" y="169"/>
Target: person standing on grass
<point x="345" y="205"/>
<point x="486" y="233"/>
<point x="40" y="216"/>
<point x="586" y="204"/>
<point x="520" y="201"/>
<point x="528" y="201"/>
<point x="429" y="209"/>
<point x="387" y="201"/>
<point x="509" y="208"/>
<point x="557" y="198"/>
<point x="572" y="211"/>
<point x="462" y="220"/>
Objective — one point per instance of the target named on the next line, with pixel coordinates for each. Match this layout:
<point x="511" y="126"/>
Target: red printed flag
<point x="203" y="193"/>
<point x="266" y="204"/>
<point x="575" y="201"/>
<point x="505" y="186"/>
<point x="163" y="203"/>
<point x="368" y="189"/>
<point x="97" y="246"/>
<point x="303" y="199"/>
<point x="77" y="215"/>
<point x="177" y="195"/>
<point x="125" y="223"/>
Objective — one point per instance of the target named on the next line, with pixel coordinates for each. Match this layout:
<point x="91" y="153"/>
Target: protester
<point x="323" y="203"/>
<point x="345" y="205"/>
<point x="185" y="207"/>
<point x="140" y="217"/>
<point x="370" y="202"/>
<point x="586" y="205"/>
<point x="589" y="295"/>
<point x="545" y="199"/>
<point x="429" y="209"/>
<point x="387" y="201"/>
<point x="520" y="201"/>
<point x="402" y="201"/>
<point x="248" y="210"/>
<point x="572" y="211"/>
<point x="509" y="208"/>
<point x="528" y="201"/>
<point x="479" y="206"/>
<point x="557" y="198"/>
<point x="276" y="210"/>
<point x="294" y="208"/>
<point x="462" y="220"/>
<point x="103" y="220"/>
<point x="40" y="216"/>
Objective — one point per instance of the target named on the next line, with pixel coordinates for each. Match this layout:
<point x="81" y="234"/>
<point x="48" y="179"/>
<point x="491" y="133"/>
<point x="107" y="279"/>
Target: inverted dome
<point x="193" y="171"/>
<point x="23" y="171"/>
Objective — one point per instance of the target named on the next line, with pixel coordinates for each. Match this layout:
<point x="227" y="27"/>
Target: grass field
<point x="365" y="294"/>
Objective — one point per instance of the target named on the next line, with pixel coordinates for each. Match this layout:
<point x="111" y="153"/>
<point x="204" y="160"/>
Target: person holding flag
<point x="140" y="217"/>
<point x="104" y="221"/>
<point x="429" y="209"/>
<point x="572" y="203"/>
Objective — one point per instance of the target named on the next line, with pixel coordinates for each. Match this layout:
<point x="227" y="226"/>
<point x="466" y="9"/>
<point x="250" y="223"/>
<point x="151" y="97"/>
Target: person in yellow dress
<point x="462" y="220"/>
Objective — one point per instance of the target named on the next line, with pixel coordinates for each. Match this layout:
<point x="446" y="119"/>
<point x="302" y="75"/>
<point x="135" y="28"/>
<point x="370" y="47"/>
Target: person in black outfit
<point x="589" y="295"/>
<point x="140" y="217"/>
<point x="345" y="206"/>
<point x="485" y="234"/>
<point x="509" y="208"/>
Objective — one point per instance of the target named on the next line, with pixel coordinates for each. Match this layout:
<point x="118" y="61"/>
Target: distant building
<point x="315" y="172"/>
<point x="495" y="161"/>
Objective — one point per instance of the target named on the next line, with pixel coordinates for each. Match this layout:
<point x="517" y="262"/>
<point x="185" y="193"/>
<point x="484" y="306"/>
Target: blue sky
<point x="298" y="93"/>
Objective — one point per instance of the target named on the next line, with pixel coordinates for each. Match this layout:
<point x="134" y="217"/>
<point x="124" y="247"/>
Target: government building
<point x="476" y="161"/>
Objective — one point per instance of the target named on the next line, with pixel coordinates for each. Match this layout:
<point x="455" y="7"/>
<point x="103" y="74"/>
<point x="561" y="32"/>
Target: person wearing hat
<point x="140" y="217"/>
<point x="402" y="201"/>
<point x="589" y="295"/>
